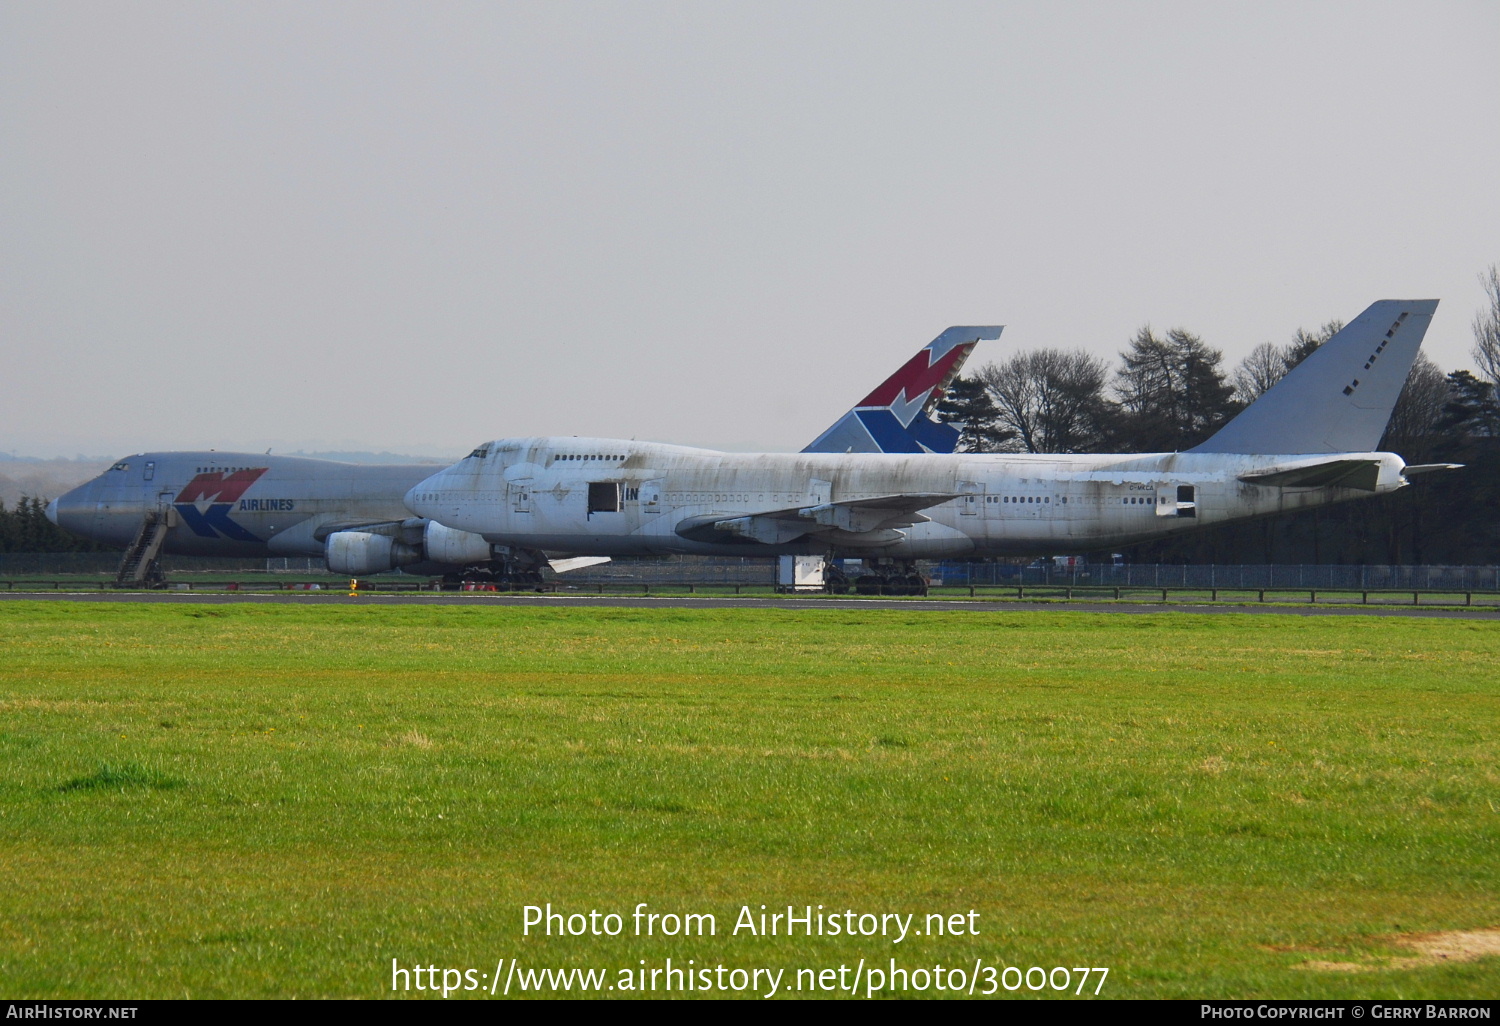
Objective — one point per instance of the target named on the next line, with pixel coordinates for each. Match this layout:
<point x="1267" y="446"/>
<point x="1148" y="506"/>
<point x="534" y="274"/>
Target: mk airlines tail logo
<point x="220" y="493"/>
<point x="894" y="417"/>
<point x="920" y="381"/>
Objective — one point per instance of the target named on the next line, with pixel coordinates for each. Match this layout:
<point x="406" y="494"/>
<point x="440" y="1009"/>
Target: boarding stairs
<point x="139" y="568"/>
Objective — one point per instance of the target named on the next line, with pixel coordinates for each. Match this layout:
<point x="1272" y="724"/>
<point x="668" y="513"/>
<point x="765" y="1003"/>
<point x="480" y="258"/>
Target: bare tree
<point x="1051" y="399"/>
<point x="1268" y="364"/>
<point x="1415" y="420"/>
<point x="1016" y="394"/>
<point x="1486" y="351"/>
<point x="1257" y="372"/>
<point x="1305" y="343"/>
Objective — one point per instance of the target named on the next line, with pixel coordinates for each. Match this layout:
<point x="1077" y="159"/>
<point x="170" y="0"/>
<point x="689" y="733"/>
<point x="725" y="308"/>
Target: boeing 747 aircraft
<point x="1306" y="442"/>
<point x="352" y="515"/>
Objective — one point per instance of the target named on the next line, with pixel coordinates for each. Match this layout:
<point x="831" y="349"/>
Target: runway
<point x="808" y="604"/>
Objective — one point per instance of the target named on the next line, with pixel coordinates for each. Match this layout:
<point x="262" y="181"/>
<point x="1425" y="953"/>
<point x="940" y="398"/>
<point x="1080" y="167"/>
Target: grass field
<point x="267" y="800"/>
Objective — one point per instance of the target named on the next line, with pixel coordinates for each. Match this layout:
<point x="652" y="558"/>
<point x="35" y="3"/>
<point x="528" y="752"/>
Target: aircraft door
<point x="651" y="497"/>
<point x="1175" y="500"/>
<point x="166" y="509"/>
<point x="973" y="498"/>
<point x="520" y="496"/>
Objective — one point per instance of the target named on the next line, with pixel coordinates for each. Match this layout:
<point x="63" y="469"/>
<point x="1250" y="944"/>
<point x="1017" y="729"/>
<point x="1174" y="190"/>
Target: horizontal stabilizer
<point x="1340" y="398"/>
<point x="1361" y="474"/>
<point x="1428" y="468"/>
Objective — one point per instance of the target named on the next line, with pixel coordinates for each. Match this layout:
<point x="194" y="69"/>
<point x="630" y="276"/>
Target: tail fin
<point x="1340" y="398"/>
<point x="895" y="417"/>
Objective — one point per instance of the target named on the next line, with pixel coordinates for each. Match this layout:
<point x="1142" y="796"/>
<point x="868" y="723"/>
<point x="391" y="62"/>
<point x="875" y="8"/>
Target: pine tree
<point x="967" y="402"/>
<point x="1173" y="391"/>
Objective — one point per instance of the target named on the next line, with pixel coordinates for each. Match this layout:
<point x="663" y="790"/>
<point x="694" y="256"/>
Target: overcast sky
<point x="417" y="226"/>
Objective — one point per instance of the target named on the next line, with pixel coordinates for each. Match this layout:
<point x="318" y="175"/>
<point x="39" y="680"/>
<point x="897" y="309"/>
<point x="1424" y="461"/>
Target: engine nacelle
<point x="359" y="552"/>
<point x="458" y="548"/>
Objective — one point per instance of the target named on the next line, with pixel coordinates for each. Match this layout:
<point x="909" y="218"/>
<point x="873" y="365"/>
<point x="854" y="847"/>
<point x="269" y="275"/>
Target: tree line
<point x="1171" y="391"/>
<point x="27" y="529"/>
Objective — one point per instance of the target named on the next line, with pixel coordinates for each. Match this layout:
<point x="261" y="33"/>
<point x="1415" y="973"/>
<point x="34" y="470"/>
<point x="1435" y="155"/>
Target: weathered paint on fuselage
<point x="534" y="493"/>
<point x="236" y="504"/>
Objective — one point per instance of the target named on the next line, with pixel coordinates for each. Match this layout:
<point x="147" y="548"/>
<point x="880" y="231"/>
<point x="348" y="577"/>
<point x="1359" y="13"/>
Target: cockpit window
<point x="120" y="466"/>
<point x="480" y="452"/>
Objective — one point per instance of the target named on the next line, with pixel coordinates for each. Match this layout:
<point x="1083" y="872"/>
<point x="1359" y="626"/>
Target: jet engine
<point x="358" y="553"/>
<point x="460" y="548"/>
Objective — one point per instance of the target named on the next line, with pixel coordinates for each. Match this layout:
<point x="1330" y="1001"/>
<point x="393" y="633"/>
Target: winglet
<point x="895" y="416"/>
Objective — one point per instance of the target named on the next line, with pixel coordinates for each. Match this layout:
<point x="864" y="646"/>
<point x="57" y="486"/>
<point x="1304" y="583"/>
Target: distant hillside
<point x="375" y="457"/>
<point x="46" y="479"/>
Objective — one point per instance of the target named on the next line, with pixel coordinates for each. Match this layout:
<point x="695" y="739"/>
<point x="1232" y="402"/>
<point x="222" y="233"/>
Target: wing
<point x="874" y="521"/>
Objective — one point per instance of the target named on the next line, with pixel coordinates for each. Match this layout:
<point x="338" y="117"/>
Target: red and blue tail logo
<point x="205" y="503"/>
<point x="896" y="416"/>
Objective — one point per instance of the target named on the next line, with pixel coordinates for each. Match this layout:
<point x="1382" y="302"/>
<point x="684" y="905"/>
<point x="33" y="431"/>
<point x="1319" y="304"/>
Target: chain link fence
<point x="1209" y="576"/>
<point x="41" y="564"/>
<point x="708" y="571"/>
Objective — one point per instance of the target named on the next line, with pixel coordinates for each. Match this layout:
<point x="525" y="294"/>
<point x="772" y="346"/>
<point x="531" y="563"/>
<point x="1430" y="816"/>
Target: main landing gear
<point x="496" y="575"/>
<point x="890" y="577"/>
<point x="835" y="581"/>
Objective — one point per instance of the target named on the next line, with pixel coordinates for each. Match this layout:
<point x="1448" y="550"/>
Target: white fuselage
<point x="594" y="496"/>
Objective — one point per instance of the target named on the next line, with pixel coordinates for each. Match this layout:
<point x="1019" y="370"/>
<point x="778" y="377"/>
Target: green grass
<point x="271" y="800"/>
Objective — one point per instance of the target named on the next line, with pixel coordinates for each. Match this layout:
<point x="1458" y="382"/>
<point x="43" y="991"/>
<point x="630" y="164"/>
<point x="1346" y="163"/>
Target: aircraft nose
<point x="74" y="511"/>
<point x="418" y="500"/>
